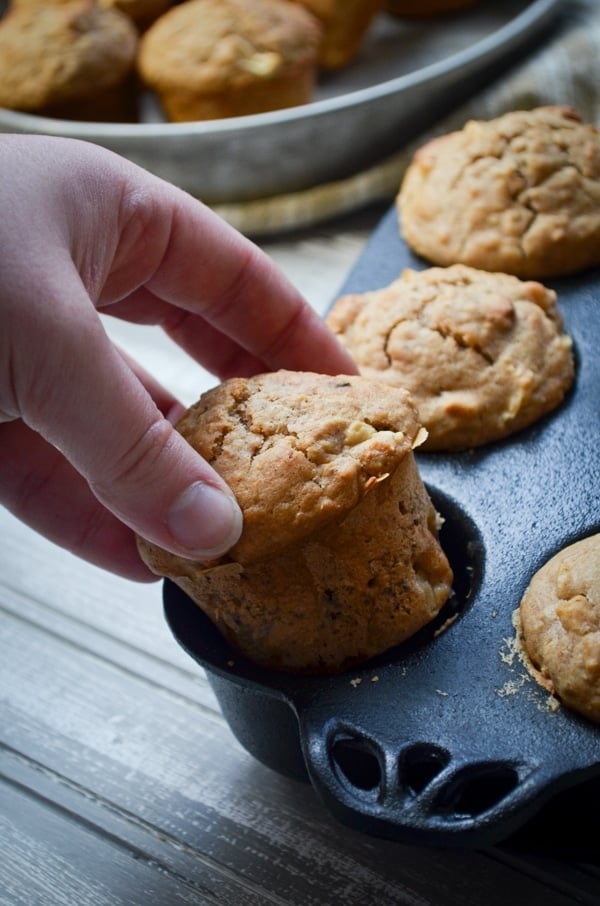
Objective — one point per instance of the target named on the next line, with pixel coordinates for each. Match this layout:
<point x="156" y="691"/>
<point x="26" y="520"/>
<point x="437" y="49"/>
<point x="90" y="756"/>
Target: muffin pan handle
<point x="419" y="792"/>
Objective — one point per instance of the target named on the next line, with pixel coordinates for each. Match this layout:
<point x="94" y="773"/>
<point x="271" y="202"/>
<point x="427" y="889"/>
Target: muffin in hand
<point x="339" y="558"/>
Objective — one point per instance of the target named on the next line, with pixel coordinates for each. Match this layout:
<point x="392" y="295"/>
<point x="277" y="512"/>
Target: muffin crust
<point x="559" y="623"/>
<point x="209" y="59"/>
<point x="345" y="26"/>
<point x="71" y="60"/>
<point x="518" y="194"/>
<point x="483" y="355"/>
<point x="339" y="557"/>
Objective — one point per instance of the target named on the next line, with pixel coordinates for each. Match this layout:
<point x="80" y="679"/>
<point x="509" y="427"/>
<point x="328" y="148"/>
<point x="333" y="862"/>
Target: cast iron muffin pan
<point x="445" y="740"/>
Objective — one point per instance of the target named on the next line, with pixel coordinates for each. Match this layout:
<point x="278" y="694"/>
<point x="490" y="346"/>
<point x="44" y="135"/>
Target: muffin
<point x="143" y="12"/>
<point x="518" y="194"/>
<point x="345" y="24"/>
<point x="483" y="355"/>
<point x="339" y="557"/>
<point x="416" y="9"/>
<point x="208" y="59"/>
<point x="559" y="626"/>
<point x="70" y="60"/>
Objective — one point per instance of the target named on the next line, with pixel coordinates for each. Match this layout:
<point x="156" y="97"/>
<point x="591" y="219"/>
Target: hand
<point x="88" y="454"/>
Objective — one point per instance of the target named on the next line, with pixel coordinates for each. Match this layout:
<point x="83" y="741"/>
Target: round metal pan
<point x="407" y="75"/>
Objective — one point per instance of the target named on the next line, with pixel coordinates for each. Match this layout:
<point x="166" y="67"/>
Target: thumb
<point x="88" y="402"/>
<point x="167" y="494"/>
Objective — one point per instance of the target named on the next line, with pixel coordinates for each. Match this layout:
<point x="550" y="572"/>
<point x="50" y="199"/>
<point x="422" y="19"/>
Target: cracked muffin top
<point x="559" y="626"/>
<point x="299" y="449"/>
<point x="519" y="194"/>
<point x="482" y="354"/>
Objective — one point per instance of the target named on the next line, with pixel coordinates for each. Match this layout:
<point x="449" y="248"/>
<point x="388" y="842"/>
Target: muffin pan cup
<point x="446" y="740"/>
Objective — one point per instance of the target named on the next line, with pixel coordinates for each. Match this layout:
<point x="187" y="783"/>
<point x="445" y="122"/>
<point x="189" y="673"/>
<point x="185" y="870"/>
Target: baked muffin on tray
<point x="416" y="9"/>
<point x="212" y="59"/>
<point x="559" y="626"/>
<point x="519" y="194"/>
<point x="143" y="12"/>
<point x="339" y="558"/>
<point x="483" y="355"/>
<point x="345" y="25"/>
<point x="70" y="60"/>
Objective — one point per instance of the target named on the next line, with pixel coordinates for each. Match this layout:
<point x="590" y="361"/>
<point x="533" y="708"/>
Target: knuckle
<point x="140" y="464"/>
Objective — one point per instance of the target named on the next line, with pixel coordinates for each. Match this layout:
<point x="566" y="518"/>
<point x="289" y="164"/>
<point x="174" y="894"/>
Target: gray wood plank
<point x="48" y="857"/>
<point x="130" y="612"/>
<point x="165" y="672"/>
<point x="566" y="876"/>
<point x="154" y="759"/>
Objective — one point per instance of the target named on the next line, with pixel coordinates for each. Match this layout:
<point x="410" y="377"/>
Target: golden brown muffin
<point x="23" y="4"/>
<point x="559" y="626"/>
<point x="143" y="12"/>
<point x="416" y="9"/>
<point x="519" y="194"/>
<point x="339" y="557"/>
<point x="482" y="354"/>
<point x="345" y="24"/>
<point x="69" y="60"/>
<point x="208" y="59"/>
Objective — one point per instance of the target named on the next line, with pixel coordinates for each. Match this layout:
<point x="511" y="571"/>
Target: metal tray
<point x="446" y="740"/>
<point x="407" y="75"/>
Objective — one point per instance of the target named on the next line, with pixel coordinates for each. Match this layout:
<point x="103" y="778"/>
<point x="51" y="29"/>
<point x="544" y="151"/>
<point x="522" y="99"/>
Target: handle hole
<point x="420" y="765"/>
<point x="479" y="789"/>
<point x="357" y="760"/>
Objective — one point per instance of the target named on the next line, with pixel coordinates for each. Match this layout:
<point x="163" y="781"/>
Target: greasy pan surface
<point x="446" y="740"/>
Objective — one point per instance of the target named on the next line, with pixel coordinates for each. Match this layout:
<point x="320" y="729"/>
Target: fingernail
<point x="205" y="521"/>
<point x="174" y="413"/>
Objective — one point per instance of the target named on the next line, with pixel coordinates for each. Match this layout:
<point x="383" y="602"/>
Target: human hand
<point x="88" y="454"/>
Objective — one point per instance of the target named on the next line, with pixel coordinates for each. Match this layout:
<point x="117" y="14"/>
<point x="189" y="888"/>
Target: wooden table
<point x="120" y="781"/>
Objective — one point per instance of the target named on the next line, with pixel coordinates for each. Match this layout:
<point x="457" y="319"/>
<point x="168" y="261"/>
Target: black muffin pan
<point x="445" y="740"/>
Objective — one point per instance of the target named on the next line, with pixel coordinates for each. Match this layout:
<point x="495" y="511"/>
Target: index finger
<point x="209" y="269"/>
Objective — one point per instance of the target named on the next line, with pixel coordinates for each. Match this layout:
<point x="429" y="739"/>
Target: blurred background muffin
<point x="208" y="59"/>
<point x="414" y="9"/>
<point x="345" y="24"/>
<point x="143" y="12"/>
<point x="70" y="60"/>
